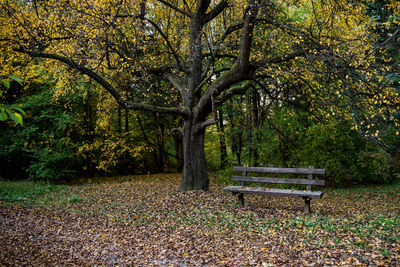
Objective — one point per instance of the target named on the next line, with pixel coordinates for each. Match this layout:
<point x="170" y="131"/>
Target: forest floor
<point x="144" y="220"/>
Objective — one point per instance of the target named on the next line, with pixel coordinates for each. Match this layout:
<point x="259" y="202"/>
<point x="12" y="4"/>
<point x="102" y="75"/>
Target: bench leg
<point x="241" y="199"/>
<point x="307" y="207"/>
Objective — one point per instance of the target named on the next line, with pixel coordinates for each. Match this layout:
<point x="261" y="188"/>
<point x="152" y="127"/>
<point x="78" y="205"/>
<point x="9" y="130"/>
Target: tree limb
<point x="165" y="110"/>
<point x="183" y="12"/>
<point x="279" y="59"/>
<point x="234" y="90"/>
<point x="215" y="11"/>
<point x="106" y="85"/>
<point x="239" y="71"/>
<point x="176" y="56"/>
<point x="174" y="81"/>
<point x="219" y="56"/>
<point x="205" y="124"/>
<point x="247" y="36"/>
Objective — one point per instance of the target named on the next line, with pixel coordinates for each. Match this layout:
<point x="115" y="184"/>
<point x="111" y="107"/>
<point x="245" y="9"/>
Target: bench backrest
<point x="308" y="182"/>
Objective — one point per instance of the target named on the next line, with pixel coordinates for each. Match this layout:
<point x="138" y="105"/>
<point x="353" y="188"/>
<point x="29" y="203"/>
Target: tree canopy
<point x="186" y="58"/>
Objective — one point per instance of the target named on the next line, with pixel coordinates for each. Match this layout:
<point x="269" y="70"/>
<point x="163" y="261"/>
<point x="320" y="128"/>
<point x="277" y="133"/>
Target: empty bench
<point x="306" y="194"/>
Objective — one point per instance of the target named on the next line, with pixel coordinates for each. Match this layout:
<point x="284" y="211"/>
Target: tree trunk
<point x="161" y="142"/>
<point x="119" y="129"/>
<point x="255" y="127"/>
<point x="179" y="151"/>
<point x="237" y="140"/>
<point x="126" y="120"/>
<point x="222" y="143"/>
<point x="195" y="173"/>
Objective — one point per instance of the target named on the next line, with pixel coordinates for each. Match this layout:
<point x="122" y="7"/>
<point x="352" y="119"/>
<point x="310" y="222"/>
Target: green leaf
<point x="3" y="115"/>
<point x="20" y="110"/>
<point x="12" y="116"/>
<point x="19" y="118"/>
<point x="6" y="83"/>
<point x="15" y="79"/>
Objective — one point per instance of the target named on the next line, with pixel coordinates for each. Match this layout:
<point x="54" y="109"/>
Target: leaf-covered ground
<point x="143" y="220"/>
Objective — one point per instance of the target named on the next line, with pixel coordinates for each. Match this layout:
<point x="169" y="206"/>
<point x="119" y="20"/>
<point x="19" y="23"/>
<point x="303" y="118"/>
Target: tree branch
<point x="228" y="31"/>
<point x="247" y="36"/>
<point x="106" y="85"/>
<point x="239" y="71"/>
<point x="165" y="110"/>
<point x="173" y="81"/>
<point x="183" y="12"/>
<point x="234" y="90"/>
<point x="176" y="56"/>
<point x="82" y="69"/>
<point x="205" y="124"/>
<point x="279" y="59"/>
<point x="215" y="11"/>
<point x="219" y="56"/>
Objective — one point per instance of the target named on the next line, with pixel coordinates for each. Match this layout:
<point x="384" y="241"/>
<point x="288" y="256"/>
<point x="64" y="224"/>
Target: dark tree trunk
<point x="237" y="140"/>
<point x="161" y="143"/>
<point x="119" y="120"/>
<point x="195" y="173"/>
<point x="89" y="114"/>
<point x="222" y="143"/>
<point x="255" y="123"/>
<point x="126" y="120"/>
<point x="249" y="130"/>
<point x="179" y="151"/>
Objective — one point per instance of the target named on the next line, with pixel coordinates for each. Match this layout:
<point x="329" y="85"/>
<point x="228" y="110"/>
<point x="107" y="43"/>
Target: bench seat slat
<point x="277" y="180"/>
<point x="273" y="191"/>
<point x="279" y="170"/>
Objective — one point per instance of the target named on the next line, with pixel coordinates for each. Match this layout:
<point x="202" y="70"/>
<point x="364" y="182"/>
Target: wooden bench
<point x="306" y="194"/>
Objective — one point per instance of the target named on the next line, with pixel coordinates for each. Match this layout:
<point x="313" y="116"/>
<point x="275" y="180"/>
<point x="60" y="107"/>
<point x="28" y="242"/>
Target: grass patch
<point x="74" y="199"/>
<point x="26" y="192"/>
<point x="389" y="189"/>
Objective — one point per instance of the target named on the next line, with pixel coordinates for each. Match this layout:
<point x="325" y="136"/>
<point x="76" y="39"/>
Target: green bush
<point x="41" y="149"/>
<point x="335" y="146"/>
<point x="374" y="167"/>
<point x="49" y="165"/>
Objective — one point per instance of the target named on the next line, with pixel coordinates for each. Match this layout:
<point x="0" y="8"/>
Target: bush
<point x="335" y="146"/>
<point x="49" y="165"/>
<point x="374" y="167"/>
<point x="41" y="149"/>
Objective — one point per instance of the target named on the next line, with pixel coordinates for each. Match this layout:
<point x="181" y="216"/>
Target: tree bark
<point x="195" y="173"/>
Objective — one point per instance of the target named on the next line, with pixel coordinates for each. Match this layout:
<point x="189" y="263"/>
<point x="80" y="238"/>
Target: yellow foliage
<point x="109" y="38"/>
<point x="105" y="155"/>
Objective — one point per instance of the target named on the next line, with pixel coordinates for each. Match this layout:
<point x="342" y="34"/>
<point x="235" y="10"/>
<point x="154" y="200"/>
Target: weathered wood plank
<point x="310" y="177"/>
<point x="273" y="191"/>
<point x="271" y="180"/>
<point x="279" y="170"/>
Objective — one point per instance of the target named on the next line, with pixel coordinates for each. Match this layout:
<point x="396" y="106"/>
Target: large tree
<point x="187" y="57"/>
